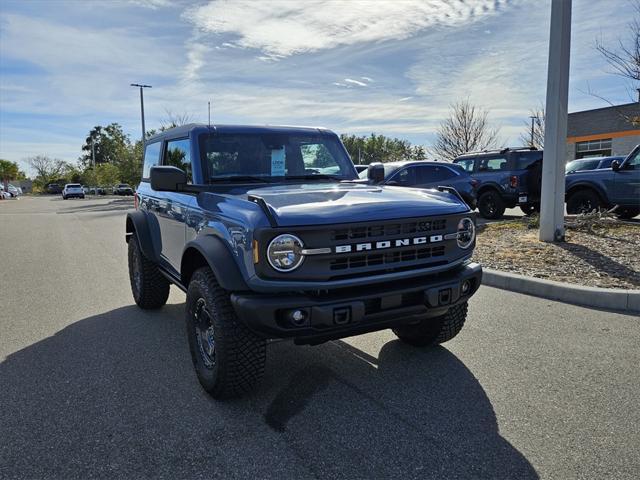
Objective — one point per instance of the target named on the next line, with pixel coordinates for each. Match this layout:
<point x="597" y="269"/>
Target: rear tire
<point x="491" y="205"/>
<point x="149" y="287"/>
<point x="583" y="201"/>
<point x="530" y="208"/>
<point x="228" y="358"/>
<point x="433" y="331"/>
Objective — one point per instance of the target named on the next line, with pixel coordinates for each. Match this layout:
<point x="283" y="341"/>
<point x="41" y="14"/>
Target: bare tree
<point x="466" y="130"/>
<point x="534" y="137"/>
<point x="47" y="169"/>
<point x="174" y="120"/>
<point x="625" y="58"/>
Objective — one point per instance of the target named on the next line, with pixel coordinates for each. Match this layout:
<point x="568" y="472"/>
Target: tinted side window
<point x="492" y="164"/>
<point x="151" y="158"/>
<point x="467" y="164"/>
<point x="634" y="162"/>
<point x="405" y="177"/>
<point x="178" y="154"/>
<point x="526" y="159"/>
<point x="432" y="174"/>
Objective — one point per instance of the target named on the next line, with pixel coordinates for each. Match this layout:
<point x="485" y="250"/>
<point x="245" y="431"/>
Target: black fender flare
<point x="585" y="185"/>
<point x="140" y="224"/>
<point x="218" y="257"/>
<point x="484" y="187"/>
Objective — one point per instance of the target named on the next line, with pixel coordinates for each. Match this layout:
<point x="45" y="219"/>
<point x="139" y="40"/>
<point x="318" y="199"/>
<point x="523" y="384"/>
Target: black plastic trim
<point x="221" y="261"/>
<point x="262" y="313"/>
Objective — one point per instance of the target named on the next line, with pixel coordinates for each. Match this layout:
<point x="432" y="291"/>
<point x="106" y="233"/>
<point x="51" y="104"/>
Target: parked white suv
<point x="72" y="190"/>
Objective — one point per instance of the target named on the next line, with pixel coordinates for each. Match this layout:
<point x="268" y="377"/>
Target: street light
<point x="533" y="118"/>
<point x="144" y="134"/>
<point x="555" y="127"/>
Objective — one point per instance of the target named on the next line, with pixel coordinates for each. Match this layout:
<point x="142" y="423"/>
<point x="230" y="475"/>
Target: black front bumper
<point x="352" y="311"/>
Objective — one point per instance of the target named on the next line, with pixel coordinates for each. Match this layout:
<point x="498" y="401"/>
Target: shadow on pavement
<point x="85" y="207"/>
<point x="114" y="395"/>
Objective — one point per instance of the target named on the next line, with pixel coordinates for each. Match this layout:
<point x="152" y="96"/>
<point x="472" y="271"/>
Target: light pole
<point x="144" y="134"/>
<point x="533" y="118"/>
<point x="555" y="128"/>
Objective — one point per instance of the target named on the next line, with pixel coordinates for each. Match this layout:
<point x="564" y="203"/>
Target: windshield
<point x="579" y="165"/>
<point x="73" y="185"/>
<point x="262" y="157"/>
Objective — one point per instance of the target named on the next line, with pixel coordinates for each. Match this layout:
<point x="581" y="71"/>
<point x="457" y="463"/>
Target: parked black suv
<point x="269" y="235"/>
<point x="506" y="178"/>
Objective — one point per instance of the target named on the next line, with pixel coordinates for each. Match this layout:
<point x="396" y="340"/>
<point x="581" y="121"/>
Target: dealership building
<point x="603" y="132"/>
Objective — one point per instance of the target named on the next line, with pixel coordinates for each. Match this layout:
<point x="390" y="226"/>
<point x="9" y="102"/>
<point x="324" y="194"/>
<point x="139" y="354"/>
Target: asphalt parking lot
<point x="93" y="387"/>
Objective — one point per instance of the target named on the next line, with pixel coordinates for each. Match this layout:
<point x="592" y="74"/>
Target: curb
<point x="620" y="300"/>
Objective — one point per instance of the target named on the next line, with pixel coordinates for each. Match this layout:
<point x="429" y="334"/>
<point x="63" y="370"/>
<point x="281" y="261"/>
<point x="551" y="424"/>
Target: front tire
<point x="149" y="287"/>
<point x="228" y="358"/>
<point x="491" y="205"/>
<point x="433" y="331"/>
<point x="583" y="201"/>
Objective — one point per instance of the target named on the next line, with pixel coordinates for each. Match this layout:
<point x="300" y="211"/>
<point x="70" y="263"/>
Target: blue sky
<point x="390" y="67"/>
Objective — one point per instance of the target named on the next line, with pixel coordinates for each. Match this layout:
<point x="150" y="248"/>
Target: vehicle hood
<point x="323" y="204"/>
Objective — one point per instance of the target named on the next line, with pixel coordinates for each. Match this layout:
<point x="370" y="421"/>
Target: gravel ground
<point x="610" y="260"/>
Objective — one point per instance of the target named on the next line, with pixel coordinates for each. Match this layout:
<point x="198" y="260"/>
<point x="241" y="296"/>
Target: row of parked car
<point x="495" y="180"/>
<point x="76" y="190"/>
<point x="11" y="192"/>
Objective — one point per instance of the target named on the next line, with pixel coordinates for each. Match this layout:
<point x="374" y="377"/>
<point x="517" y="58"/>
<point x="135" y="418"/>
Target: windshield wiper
<point x="239" y="178"/>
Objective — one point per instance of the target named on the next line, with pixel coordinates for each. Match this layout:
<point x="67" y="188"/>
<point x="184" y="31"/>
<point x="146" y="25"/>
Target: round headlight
<point x="285" y="252"/>
<point x="466" y="233"/>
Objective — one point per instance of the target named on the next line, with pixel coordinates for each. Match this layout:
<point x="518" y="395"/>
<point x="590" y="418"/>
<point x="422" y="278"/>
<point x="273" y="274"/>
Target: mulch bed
<point x="609" y="259"/>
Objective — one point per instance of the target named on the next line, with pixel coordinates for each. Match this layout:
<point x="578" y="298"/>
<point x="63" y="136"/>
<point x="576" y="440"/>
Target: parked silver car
<point x="71" y="190"/>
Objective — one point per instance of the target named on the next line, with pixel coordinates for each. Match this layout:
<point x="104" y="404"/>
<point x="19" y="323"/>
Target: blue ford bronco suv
<point x="506" y="178"/>
<point x="618" y="185"/>
<point x="270" y="238"/>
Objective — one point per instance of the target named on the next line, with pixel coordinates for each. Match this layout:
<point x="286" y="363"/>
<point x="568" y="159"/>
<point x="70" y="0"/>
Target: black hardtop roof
<point x="405" y="163"/>
<point x="499" y="151"/>
<point x="185" y="130"/>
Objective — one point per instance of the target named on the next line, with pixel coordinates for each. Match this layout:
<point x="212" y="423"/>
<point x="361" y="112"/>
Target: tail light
<point x="135" y="200"/>
<point x="514" y="181"/>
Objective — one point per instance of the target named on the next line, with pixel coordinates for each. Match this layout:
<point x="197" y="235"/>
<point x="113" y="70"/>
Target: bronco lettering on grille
<point x="400" y="242"/>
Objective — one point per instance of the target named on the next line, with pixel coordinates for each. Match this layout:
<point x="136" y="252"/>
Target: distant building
<point x="25" y="185"/>
<point x="603" y="132"/>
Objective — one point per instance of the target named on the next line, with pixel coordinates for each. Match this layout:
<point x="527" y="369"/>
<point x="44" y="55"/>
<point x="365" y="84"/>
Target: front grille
<point x="388" y="230"/>
<point x="392" y="246"/>
<point x="373" y="259"/>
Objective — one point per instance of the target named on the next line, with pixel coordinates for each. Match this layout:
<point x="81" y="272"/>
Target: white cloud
<point x="282" y="28"/>
<point x="152" y="4"/>
<point x="355" y="82"/>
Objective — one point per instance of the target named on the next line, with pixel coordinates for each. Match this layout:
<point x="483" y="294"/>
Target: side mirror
<point x="375" y="173"/>
<point x="167" y="178"/>
<point x="615" y="165"/>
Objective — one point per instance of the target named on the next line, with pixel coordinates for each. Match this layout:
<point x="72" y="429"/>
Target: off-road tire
<point x="240" y="355"/>
<point x="151" y="289"/>
<point x="530" y="208"/>
<point x="627" y="213"/>
<point x="583" y="201"/>
<point x="433" y="331"/>
<point x="491" y="205"/>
